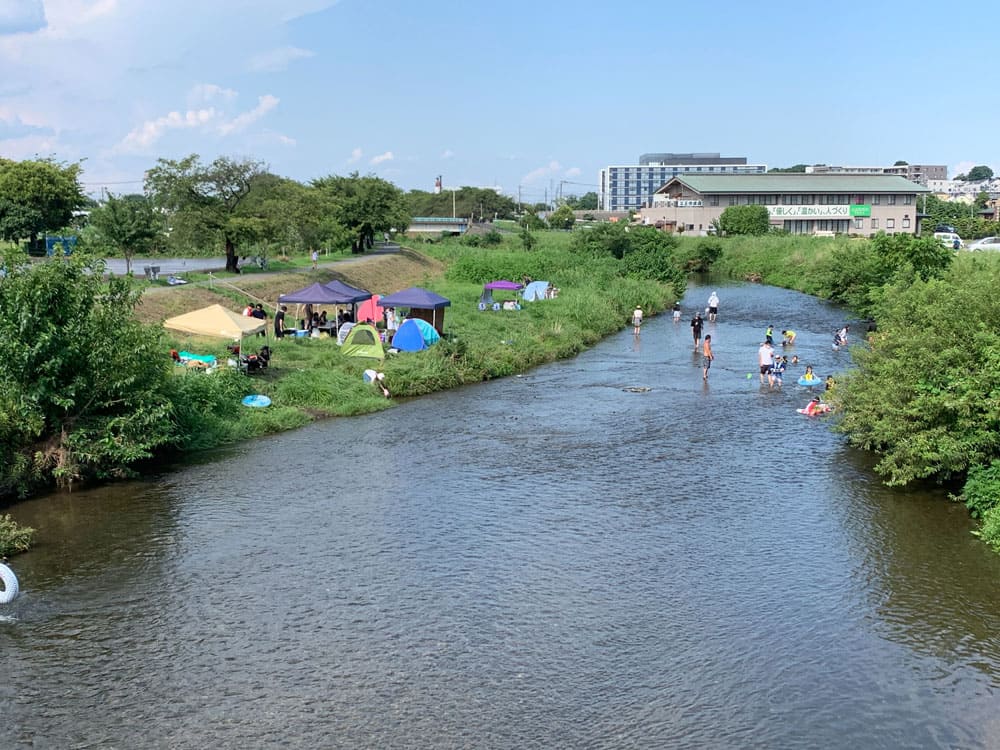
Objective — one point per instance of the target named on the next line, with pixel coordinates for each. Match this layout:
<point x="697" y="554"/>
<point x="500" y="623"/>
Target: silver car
<point x="986" y="243"/>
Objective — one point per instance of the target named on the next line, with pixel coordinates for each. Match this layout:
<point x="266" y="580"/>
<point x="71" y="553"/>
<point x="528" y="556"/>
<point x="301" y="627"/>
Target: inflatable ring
<point x="10" y="588"/>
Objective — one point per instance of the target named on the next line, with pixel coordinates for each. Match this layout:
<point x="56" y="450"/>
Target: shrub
<point x="14" y="538"/>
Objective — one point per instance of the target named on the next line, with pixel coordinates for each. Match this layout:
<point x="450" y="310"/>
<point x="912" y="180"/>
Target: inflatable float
<point x="810" y="383"/>
<point x="256" y="400"/>
<point x="10" y="588"/>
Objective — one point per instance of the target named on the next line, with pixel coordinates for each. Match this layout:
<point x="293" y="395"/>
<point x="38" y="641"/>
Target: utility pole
<point x="518" y="199"/>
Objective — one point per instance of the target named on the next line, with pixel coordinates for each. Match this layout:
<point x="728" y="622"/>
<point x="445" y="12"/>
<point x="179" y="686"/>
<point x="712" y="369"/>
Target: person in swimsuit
<point x="707" y="357"/>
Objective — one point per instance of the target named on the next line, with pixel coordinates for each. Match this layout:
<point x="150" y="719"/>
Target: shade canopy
<point x="315" y="294"/>
<point x="217" y="322"/>
<point x="417" y="298"/>
<point x="349" y="294"/>
<point x="369" y="310"/>
<point x="510" y="286"/>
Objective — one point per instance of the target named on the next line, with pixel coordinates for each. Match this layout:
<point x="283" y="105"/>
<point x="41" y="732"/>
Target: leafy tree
<point x="603" y="239"/>
<point x="483" y="203"/>
<point x="982" y="199"/>
<point x="365" y="206"/>
<point x="295" y="217"/>
<point x="82" y="389"/>
<point x="586" y="202"/>
<point x="753" y="220"/>
<point x="206" y="201"/>
<point x="562" y="218"/>
<point x="793" y="168"/>
<point x="527" y="238"/>
<point x="531" y="220"/>
<point x="928" y="257"/>
<point x="979" y="173"/>
<point x="901" y="163"/>
<point x="650" y="255"/>
<point x="126" y="225"/>
<point x="37" y="196"/>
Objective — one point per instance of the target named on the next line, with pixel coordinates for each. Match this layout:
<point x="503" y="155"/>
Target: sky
<point x="530" y="97"/>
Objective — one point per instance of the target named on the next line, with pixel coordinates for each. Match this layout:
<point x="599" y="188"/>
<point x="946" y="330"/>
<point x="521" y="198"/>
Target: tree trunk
<point x="231" y="256"/>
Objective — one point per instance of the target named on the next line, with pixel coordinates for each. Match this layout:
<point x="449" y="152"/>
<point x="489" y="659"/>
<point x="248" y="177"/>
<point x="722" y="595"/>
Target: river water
<point x="544" y="561"/>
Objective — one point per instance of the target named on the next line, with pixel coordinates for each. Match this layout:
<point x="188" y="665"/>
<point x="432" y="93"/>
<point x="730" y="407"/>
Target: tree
<point x="586" y="202"/>
<point x="204" y="202"/>
<point x="527" y="238"/>
<point x="562" y="218"/>
<point x="126" y="225"/>
<point x="365" y="206"/>
<point x="901" y="163"/>
<point x="37" y="196"/>
<point x="752" y="220"/>
<point x="483" y="203"/>
<point x="979" y="173"/>
<point x="83" y="386"/>
<point x="793" y="168"/>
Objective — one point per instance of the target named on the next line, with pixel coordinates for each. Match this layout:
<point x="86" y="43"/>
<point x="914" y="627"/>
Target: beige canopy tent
<point x="217" y="322"/>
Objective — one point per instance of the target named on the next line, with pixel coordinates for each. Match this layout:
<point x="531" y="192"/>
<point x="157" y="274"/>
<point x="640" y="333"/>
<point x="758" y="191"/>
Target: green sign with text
<point x="861" y="209"/>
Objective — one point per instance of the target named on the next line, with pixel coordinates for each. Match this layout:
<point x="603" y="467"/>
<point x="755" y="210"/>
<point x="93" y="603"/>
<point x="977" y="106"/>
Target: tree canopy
<point x="37" y="196"/>
<point x="365" y="206"/>
<point x="125" y="225"/>
<point x="752" y="220"/>
<point x="979" y="173"/>
<point x="205" y="202"/>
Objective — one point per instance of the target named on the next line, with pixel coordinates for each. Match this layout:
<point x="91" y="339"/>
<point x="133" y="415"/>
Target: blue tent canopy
<point x="416" y="298"/>
<point x="350" y="295"/>
<point x="315" y="294"/>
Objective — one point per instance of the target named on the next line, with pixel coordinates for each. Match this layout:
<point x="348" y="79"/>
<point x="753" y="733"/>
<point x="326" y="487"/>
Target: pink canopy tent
<point x="370" y="309"/>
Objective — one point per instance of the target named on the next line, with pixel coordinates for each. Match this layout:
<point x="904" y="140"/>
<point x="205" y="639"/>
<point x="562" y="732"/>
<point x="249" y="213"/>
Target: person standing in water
<point x="707" y="357"/>
<point x="636" y="320"/>
<point x="677" y="312"/>
<point x="713" y="307"/>
<point x="765" y="360"/>
<point x="696" y="325"/>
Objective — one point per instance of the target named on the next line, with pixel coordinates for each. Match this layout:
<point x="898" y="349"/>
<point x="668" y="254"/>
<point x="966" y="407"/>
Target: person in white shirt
<point x="713" y="307"/>
<point x="636" y="320"/>
<point x="765" y="359"/>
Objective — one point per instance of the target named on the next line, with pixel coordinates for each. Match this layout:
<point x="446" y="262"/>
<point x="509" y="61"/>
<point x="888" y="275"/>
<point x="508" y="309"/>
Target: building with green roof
<point x="798" y="203"/>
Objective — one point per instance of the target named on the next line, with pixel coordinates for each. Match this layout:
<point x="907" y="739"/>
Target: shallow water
<point x="543" y="561"/>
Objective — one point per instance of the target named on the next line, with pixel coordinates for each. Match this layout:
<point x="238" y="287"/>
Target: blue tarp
<point x="414" y="335"/>
<point x="535" y="291"/>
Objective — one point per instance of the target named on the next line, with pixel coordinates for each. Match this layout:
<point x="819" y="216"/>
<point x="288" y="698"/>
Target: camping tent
<point x="217" y="322"/>
<point x="422" y="303"/>
<point x="535" y="291"/>
<point x="343" y="331"/>
<point x="363" y="341"/>
<point x="415" y="334"/>
<point x="370" y="309"/>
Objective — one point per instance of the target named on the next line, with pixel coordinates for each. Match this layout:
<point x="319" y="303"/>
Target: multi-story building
<point x="918" y="173"/>
<point x="630" y="187"/>
<point x="798" y="203"/>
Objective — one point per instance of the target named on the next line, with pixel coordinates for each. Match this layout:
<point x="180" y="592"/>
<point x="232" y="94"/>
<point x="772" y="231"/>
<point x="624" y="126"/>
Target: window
<point x="876" y="199"/>
<point x="874" y="223"/>
<point x="732" y="200"/>
<point x="713" y="201"/>
<point x="890" y="223"/>
<point x="891" y="200"/>
<point x="906" y="222"/>
<point x="907" y="200"/>
<point x="859" y="223"/>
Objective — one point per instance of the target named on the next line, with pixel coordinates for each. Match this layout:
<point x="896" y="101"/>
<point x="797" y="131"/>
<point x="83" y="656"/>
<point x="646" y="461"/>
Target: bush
<point x="14" y="538"/>
<point x="753" y="220"/>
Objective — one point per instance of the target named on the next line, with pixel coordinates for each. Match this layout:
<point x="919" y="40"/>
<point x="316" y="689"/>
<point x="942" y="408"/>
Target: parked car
<point x="950" y="239"/>
<point x="986" y="243"/>
<point x="944" y="228"/>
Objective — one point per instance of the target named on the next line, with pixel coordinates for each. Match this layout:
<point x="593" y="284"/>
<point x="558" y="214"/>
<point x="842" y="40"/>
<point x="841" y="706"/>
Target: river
<point x="549" y="560"/>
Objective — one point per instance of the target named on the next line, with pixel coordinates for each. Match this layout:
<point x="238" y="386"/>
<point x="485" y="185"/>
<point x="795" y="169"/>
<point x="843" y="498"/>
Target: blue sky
<point x="509" y="94"/>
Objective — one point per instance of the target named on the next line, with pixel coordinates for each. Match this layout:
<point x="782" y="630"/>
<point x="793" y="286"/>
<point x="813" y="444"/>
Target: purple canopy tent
<point x="507" y="286"/>
<point x="418" y="298"/>
<point x="350" y="294"/>
<point x="315" y="294"/>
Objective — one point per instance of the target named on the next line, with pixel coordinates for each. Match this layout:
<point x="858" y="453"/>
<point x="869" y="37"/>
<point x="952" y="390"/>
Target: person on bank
<point x="713" y="307"/>
<point x="279" y="322"/>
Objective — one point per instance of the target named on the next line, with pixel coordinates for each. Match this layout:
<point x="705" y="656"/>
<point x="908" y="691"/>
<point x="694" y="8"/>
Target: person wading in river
<point x="696" y="325"/>
<point x="707" y="357"/>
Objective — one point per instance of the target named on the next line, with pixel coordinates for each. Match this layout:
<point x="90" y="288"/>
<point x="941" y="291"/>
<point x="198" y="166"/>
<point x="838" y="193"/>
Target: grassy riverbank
<point x="170" y="410"/>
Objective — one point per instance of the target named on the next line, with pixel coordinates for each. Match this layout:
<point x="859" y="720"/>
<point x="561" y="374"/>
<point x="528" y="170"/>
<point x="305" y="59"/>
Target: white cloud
<point x="207" y="92"/>
<point x="285" y="140"/>
<point x="356" y="154"/>
<point x="151" y="131"/>
<point x="30" y="146"/>
<point x="447" y="153"/>
<point x="278" y="59"/>
<point x="387" y="156"/>
<point x="574" y="172"/>
<point x="264" y="105"/>
<point x="21" y="16"/>
<point x="542" y="173"/>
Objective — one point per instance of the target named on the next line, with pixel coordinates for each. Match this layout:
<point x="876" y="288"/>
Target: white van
<point x="950" y="239"/>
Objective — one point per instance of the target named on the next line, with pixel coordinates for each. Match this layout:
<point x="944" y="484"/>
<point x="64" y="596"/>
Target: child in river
<point x="809" y="373"/>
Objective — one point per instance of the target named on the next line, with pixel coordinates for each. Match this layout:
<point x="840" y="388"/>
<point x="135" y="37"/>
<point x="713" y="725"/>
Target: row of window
<point x="645" y="172"/>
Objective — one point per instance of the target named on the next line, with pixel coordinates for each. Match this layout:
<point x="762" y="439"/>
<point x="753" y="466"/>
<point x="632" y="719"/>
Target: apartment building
<point x="631" y="186"/>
